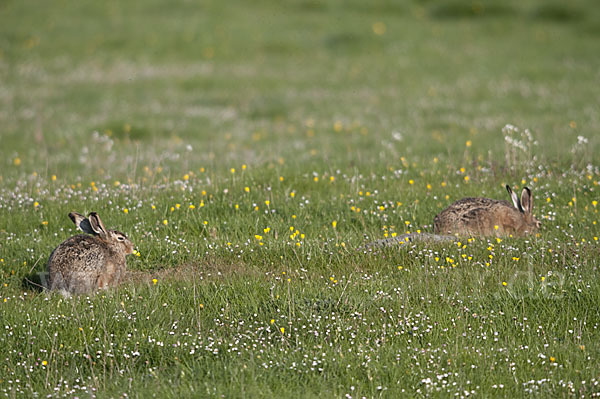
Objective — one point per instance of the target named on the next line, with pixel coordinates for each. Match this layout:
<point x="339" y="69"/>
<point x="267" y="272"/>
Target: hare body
<point x="488" y="217"/>
<point x="84" y="263"/>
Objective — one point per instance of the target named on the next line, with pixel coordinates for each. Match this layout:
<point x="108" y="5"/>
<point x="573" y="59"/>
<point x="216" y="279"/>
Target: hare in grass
<point x="477" y="217"/>
<point x="489" y="217"/>
<point x="87" y="262"/>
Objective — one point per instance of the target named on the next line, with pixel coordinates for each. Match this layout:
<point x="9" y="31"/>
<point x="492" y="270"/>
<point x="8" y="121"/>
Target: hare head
<point x="524" y="206"/>
<point x="93" y="225"/>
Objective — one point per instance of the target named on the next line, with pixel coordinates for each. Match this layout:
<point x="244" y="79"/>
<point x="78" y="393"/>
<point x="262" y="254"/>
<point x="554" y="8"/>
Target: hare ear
<point x="514" y="198"/>
<point x="82" y="223"/>
<point x="526" y="200"/>
<point x="97" y="224"/>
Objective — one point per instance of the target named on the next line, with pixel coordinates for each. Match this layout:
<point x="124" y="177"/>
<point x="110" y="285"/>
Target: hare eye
<point x="120" y="238"/>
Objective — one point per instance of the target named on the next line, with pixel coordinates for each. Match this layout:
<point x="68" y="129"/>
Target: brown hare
<point x="488" y="217"/>
<point x="85" y="263"/>
<point x="477" y="217"/>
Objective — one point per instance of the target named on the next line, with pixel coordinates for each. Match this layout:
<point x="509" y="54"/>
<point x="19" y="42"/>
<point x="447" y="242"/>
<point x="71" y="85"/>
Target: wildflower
<point x="36" y="204"/>
<point x="258" y="237"/>
<point x="17" y="161"/>
<point x="282" y="330"/>
<point x="53" y="177"/>
<point x="177" y="206"/>
<point x="232" y="170"/>
<point x="267" y="202"/>
<point x="125" y="210"/>
<point x="468" y="143"/>
<point x="44" y="363"/>
<point x="466" y="179"/>
<point x="117" y="183"/>
<point x="186" y="177"/>
<point x="244" y="167"/>
<point x="334" y="223"/>
<point x="379" y="28"/>
<point x="272" y="321"/>
<point x="293" y="194"/>
<point x="192" y="206"/>
<point x="154" y="281"/>
<point x="411" y="182"/>
<point x="247" y="189"/>
<point x="165" y="222"/>
<point x="504" y="283"/>
<point x="267" y="229"/>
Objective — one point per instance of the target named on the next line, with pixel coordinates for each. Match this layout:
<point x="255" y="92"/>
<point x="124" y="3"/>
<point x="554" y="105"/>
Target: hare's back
<point x="470" y="215"/>
<point x="78" y="252"/>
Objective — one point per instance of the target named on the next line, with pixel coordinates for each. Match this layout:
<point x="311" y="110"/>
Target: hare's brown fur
<point x="485" y="216"/>
<point x="84" y="263"/>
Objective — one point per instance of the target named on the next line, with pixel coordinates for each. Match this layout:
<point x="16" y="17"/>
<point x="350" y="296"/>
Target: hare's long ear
<point x="97" y="224"/>
<point x="526" y="200"/>
<point x="514" y="198"/>
<point x="82" y="223"/>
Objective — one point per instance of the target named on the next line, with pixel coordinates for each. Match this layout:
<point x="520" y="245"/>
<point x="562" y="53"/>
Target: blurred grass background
<point x="249" y="81"/>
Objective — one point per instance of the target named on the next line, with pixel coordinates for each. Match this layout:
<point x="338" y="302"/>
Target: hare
<point x="488" y="217"/>
<point x="84" y="263"/>
<point x="476" y="216"/>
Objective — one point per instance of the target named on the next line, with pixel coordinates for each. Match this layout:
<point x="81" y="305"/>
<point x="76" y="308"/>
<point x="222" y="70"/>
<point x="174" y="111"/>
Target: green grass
<point x="249" y="150"/>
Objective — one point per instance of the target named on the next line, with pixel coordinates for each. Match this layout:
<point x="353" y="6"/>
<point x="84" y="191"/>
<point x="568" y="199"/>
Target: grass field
<point x="250" y="148"/>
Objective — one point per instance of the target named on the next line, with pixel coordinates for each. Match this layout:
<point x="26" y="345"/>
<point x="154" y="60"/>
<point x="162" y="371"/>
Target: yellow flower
<point x="267" y="229"/>
<point x="411" y="182"/>
<point x="192" y="206"/>
<point x="468" y="143"/>
<point x="267" y="202"/>
<point x="186" y="177"/>
<point x="379" y="28"/>
<point x="282" y="330"/>
<point x="247" y="189"/>
<point x="53" y="177"/>
<point x="504" y="283"/>
<point x="232" y="170"/>
<point x="165" y="222"/>
<point x="316" y="179"/>
<point x="334" y="223"/>
<point x="280" y="178"/>
<point x="552" y="359"/>
<point x="293" y="194"/>
<point x="177" y="206"/>
<point x="17" y="161"/>
<point x="154" y="281"/>
<point x="244" y="167"/>
<point x="44" y="363"/>
<point x="337" y="126"/>
<point x="125" y="210"/>
<point x="36" y="204"/>
<point x="466" y="179"/>
<point x="258" y="237"/>
<point x="272" y="321"/>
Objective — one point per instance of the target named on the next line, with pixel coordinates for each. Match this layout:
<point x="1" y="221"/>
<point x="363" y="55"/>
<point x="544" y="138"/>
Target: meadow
<point x="251" y="149"/>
